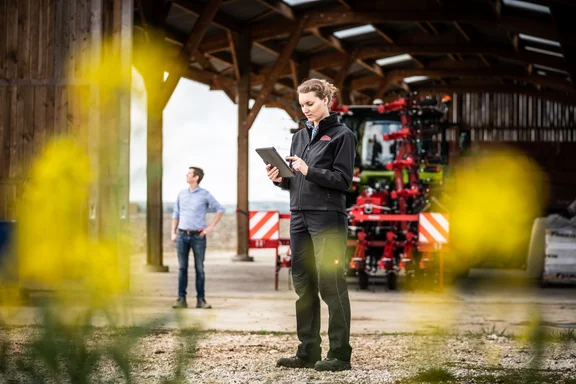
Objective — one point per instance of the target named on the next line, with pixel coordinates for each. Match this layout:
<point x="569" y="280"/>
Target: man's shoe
<point x="180" y="303"/>
<point x="203" y="304"/>
<point x="294" y="362"/>
<point x="333" y="365"/>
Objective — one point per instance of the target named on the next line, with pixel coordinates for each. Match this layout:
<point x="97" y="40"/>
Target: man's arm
<point x="213" y="206"/>
<point x="175" y="220"/>
<point x="217" y="218"/>
<point x="174" y="229"/>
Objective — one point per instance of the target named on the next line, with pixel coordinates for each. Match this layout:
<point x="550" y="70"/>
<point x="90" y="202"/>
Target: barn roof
<point x="371" y="49"/>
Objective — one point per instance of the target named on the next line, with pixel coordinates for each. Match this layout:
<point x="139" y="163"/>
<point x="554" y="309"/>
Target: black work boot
<point x="333" y="365"/>
<point x="203" y="304"/>
<point x="294" y="362"/>
<point x="180" y="303"/>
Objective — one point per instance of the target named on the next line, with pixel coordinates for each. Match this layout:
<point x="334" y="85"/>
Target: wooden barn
<point x="510" y="66"/>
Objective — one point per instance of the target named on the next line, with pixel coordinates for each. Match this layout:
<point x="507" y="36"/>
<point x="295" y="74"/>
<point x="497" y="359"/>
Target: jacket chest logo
<point x="325" y="138"/>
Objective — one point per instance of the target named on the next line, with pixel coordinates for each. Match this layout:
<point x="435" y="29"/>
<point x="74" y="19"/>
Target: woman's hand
<point x="298" y="164"/>
<point x="273" y="174"/>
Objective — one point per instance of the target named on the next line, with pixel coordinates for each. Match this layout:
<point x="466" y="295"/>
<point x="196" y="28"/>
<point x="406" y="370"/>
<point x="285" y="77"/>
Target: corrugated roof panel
<point x="309" y="43"/>
<point x="262" y="57"/>
<point x="243" y="10"/>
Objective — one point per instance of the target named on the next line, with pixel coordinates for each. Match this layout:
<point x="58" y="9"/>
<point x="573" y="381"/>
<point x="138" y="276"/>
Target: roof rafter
<point x="512" y="73"/>
<point x="499" y="88"/>
<point x="274" y="75"/>
<point x="190" y="46"/>
<point x="270" y="30"/>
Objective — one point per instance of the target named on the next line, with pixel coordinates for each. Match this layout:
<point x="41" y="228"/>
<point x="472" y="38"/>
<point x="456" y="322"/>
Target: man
<point x="189" y="230"/>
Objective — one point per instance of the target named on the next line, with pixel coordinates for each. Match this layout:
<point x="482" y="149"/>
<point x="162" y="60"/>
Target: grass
<point x="74" y="353"/>
<point x="564" y="336"/>
<point x="434" y="375"/>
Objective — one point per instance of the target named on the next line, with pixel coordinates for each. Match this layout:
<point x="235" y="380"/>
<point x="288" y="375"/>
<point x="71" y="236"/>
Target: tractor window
<point x="376" y="152"/>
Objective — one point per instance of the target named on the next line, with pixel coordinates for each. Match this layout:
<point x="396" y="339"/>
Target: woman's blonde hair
<point x="320" y="87"/>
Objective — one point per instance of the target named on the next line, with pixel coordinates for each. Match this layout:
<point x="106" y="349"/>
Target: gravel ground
<point x="230" y="357"/>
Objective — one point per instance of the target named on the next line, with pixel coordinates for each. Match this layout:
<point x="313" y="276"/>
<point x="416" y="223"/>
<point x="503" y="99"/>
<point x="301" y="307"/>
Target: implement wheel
<point x="392" y="281"/>
<point x="362" y="280"/>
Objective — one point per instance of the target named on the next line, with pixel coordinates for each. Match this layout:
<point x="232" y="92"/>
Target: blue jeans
<point x="183" y="245"/>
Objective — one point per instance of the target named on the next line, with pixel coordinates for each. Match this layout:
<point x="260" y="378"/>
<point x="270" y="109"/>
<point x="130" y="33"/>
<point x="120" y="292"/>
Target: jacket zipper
<point x="303" y="157"/>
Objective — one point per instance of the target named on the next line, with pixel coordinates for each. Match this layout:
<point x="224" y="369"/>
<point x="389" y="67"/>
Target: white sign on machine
<point x="560" y="260"/>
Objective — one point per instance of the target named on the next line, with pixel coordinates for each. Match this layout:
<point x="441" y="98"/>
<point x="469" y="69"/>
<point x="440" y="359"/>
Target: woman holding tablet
<point x="322" y="158"/>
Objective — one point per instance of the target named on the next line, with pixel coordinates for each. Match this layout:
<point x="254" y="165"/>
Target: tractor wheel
<point x="391" y="281"/>
<point x="363" y="280"/>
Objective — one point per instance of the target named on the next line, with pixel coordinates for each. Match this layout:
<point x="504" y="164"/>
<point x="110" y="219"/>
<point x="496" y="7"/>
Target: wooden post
<point x="154" y="145"/>
<point x="243" y="48"/>
<point x="154" y="79"/>
<point x="114" y="172"/>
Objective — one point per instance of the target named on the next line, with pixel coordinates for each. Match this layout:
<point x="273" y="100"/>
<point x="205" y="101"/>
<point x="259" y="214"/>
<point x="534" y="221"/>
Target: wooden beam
<point x="335" y="59"/>
<point x="243" y="44"/>
<point x="280" y="7"/>
<point x="281" y="62"/>
<point x="294" y="70"/>
<point x="462" y="30"/>
<point x="511" y="73"/>
<point x="499" y="88"/>
<point x="343" y="71"/>
<point x="191" y="45"/>
<point x="280" y="27"/>
<point x="220" y="19"/>
<point x="235" y="54"/>
<point x="336" y="43"/>
<point x="381" y="87"/>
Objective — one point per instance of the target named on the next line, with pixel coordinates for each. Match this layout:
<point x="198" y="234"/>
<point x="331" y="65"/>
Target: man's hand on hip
<point x="205" y="231"/>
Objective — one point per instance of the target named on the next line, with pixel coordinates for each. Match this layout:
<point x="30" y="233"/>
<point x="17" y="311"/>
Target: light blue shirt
<point x="191" y="208"/>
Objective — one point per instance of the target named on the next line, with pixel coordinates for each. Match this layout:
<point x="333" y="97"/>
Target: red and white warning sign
<point x="264" y="225"/>
<point x="433" y="228"/>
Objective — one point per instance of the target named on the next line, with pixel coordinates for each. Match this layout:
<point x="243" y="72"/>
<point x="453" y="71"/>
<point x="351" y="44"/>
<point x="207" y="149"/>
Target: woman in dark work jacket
<point x="322" y="156"/>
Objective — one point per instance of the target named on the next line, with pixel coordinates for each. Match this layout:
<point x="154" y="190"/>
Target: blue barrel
<point x="7" y="251"/>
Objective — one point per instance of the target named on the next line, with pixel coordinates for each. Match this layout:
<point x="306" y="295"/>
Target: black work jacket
<point x="330" y="159"/>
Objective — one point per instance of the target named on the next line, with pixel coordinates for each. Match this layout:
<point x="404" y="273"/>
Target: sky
<point x="201" y="129"/>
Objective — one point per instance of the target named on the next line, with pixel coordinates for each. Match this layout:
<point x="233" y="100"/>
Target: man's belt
<point x="195" y="232"/>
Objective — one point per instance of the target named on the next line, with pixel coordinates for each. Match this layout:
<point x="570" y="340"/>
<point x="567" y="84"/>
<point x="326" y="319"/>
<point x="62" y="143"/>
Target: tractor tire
<point x="362" y="280"/>
<point x="536" y="250"/>
<point x="392" y="281"/>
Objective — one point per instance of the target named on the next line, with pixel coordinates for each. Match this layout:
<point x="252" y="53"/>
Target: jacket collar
<point x="324" y="123"/>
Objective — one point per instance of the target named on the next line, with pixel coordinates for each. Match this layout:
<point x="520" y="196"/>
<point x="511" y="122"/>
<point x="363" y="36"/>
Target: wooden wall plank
<point x="24" y="39"/>
<point x="81" y="37"/>
<point x="61" y="110"/>
<point x="4" y="131"/>
<point x="35" y="37"/>
<point x="27" y="137"/>
<point x="51" y="35"/>
<point x="12" y="39"/>
<point x="50" y="112"/>
<point x="70" y="37"/>
<point x="16" y="126"/>
<point x="72" y="115"/>
<point x="40" y="107"/>
<point x="3" y="30"/>
<point x="43" y="15"/>
<point x="61" y="14"/>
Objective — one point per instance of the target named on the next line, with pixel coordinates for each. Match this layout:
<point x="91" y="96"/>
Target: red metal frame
<point x="401" y="235"/>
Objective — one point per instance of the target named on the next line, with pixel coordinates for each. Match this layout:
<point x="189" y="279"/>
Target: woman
<point x="322" y="157"/>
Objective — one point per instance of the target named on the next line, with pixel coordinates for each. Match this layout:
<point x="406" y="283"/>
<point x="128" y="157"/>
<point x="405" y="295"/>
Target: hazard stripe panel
<point x="264" y="225"/>
<point x="433" y="228"/>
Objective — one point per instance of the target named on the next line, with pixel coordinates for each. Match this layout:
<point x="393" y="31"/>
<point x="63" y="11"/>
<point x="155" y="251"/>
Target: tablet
<point x="272" y="157"/>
